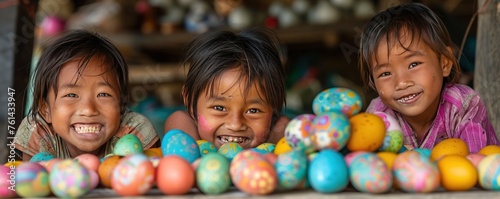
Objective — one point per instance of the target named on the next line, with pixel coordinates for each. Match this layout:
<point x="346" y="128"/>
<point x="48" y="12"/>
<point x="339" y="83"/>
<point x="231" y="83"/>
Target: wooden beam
<point x="487" y="66"/>
<point x="16" y="47"/>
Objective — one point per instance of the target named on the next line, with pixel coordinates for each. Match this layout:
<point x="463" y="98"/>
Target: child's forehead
<point x="78" y="70"/>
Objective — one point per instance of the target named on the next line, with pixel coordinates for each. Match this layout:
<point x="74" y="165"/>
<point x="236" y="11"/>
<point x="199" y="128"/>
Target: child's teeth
<point x="87" y="128"/>
<point x="232" y="139"/>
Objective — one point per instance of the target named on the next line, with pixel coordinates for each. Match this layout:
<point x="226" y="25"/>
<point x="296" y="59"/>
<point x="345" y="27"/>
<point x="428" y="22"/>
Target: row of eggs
<point x="252" y="171"/>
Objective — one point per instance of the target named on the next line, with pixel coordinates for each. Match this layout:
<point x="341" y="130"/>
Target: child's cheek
<point x="203" y="124"/>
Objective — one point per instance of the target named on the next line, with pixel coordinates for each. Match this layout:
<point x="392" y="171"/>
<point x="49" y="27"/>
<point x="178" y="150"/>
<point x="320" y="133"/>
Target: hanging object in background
<point x="100" y="16"/>
<point x="224" y="7"/>
<point x="52" y="26"/>
<point x="323" y="13"/>
<point x="200" y="17"/>
<point x="364" y="9"/>
<point x="240" y="17"/>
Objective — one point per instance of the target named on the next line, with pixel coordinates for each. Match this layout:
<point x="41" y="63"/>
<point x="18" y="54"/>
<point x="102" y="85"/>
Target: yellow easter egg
<point x="387" y="157"/>
<point x="457" y="173"/>
<point x="367" y="132"/>
<point x="490" y="149"/>
<point x="282" y="146"/>
<point x="450" y="146"/>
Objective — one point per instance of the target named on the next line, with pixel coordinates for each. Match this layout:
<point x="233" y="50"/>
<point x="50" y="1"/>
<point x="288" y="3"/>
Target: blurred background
<point x="320" y="38"/>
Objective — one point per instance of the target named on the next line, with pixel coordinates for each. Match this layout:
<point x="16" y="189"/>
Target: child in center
<point x="235" y="89"/>
<point x="80" y="101"/>
<point x="407" y="56"/>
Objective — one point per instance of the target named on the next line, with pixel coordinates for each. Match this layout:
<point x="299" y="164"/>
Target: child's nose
<point x="87" y="107"/>
<point x="403" y="81"/>
<point x="235" y="122"/>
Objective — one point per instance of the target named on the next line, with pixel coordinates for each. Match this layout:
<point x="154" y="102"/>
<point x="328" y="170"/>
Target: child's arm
<point x="278" y="130"/>
<point x="182" y="121"/>
<point x="26" y="157"/>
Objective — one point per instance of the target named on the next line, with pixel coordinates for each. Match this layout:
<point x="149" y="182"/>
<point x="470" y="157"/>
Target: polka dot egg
<point x="70" y="179"/>
<point x="343" y="100"/>
<point x="251" y="173"/>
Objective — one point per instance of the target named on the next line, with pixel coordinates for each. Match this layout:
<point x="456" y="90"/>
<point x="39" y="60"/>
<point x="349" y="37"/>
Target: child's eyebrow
<point x="413" y="54"/>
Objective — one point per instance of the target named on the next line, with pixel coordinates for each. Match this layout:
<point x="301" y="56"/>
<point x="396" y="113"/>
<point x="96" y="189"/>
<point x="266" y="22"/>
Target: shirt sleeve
<point x="139" y="125"/>
<point x="31" y="138"/>
<point x="473" y="126"/>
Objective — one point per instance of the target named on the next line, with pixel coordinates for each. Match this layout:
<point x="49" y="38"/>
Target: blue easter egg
<point x="330" y="130"/>
<point x="42" y="157"/>
<point x="343" y="100"/>
<point x="230" y="149"/>
<point x="177" y="142"/>
<point x="328" y="172"/>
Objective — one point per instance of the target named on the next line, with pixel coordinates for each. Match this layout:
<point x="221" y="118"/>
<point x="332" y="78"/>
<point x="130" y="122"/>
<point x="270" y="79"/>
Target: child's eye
<point x="71" y="95"/>
<point x="414" y="64"/>
<point x="103" y="95"/>
<point x="219" y="108"/>
<point x="253" y="110"/>
<point x="384" y="74"/>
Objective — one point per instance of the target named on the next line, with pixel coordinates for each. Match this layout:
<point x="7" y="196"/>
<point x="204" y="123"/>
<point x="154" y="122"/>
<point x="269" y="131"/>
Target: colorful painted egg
<point x="282" y="146"/>
<point x="393" y="140"/>
<point x="230" y="149"/>
<point x="251" y="173"/>
<point x="7" y="182"/>
<point x="423" y="151"/>
<point x="177" y="142"/>
<point x="351" y="155"/>
<point x="70" y="179"/>
<point x="153" y="152"/>
<point x="205" y="147"/>
<point x="212" y="174"/>
<point x="42" y="157"/>
<point x="328" y="172"/>
<point x="105" y="169"/>
<point x="368" y="173"/>
<point x="337" y="99"/>
<point x="298" y="129"/>
<point x="267" y="146"/>
<point x="127" y="145"/>
<point x="291" y="168"/>
<point x="90" y="161"/>
<point x="414" y="172"/>
<point x="330" y="131"/>
<point x="133" y="175"/>
<point x="489" y="172"/>
<point x="475" y="158"/>
<point x="50" y="164"/>
<point x="32" y="180"/>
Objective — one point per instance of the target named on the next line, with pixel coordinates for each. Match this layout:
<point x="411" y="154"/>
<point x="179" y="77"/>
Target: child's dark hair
<point x="255" y="51"/>
<point x="80" y="45"/>
<point x="415" y="19"/>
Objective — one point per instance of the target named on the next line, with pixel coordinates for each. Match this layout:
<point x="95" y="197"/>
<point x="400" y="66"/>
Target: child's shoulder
<point x="454" y="92"/>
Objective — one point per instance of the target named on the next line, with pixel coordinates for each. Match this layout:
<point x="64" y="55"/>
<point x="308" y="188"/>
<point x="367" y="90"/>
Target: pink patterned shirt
<point x="461" y="114"/>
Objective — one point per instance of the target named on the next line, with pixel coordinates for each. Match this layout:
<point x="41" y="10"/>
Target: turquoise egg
<point x="212" y="174"/>
<point x="32" y="180"/>
<point x="291" y="168"/>
<point x="328" y="172"/>
<point x="423" y="151"/>
<point x="368" y="173"/>
<point x="206" y="147"/>
<point x="70" y="179"/>
<point x="127" y="145"/>
<point x="42" y="157"/>
<point x="330" y="131"/>
<point x="177" y="142"/>
<point x="230" y="149"/>
<point x="267" y="146"/>
<point x="489" y="172"/>
<point x="338" y="99"/>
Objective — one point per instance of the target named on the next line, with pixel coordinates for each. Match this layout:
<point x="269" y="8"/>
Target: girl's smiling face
<point x="85" y="111"/>
<point x="232" y="115"/>
<point x="408" y="76"/>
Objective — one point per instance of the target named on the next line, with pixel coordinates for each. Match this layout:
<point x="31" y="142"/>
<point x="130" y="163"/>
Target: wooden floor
<point x="310" y="194"/>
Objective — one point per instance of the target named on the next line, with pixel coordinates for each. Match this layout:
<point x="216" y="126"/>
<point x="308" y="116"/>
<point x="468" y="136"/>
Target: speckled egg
<point x="177" y="142"/>
<point x="337" y="99"/>
<point x="212" y="174"/>
<point x="32" y="180"/>
<point x="206" y="147"/>
<point x="42" y="157"/>
<point x="489" y="172"/>
<point x="70" y="179"/>
<point x="328" y="172"/>
<point x="128" y="144"/>
<point x="330" y="131"/>
<point x="291" y="168"/>
<point x="298" y="129"/>
<point x="414" y="172"/>
<point x="393" y="140"/>
<point x="267" y="146"/>
<point x="252" y="174"/>
<point x="370" y="174"/>
<point x="7" y="182"/>
<point x="133" y="175"/>
<point x="230" y="149"/>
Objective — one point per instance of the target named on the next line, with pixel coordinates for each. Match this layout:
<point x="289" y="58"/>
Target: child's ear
<point x="446" y="63"/>
<point x="184" y="94"/>
<point x="45" y="112"/>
